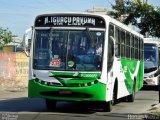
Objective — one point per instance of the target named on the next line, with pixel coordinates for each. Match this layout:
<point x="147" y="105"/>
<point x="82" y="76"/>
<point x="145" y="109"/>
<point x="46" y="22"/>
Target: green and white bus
<point x="84" y="57"/>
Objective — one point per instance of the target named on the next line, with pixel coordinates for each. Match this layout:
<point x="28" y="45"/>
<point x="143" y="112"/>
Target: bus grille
<point x="71" y="95"/>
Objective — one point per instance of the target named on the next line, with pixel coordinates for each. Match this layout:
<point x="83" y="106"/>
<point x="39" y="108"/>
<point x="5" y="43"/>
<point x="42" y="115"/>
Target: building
<point x="15" y="45"/>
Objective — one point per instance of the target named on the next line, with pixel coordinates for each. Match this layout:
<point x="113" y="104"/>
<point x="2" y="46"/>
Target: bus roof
<point x="155" y="41"/>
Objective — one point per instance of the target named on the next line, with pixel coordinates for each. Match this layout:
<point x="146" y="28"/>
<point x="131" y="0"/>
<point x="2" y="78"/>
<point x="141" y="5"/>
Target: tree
<point x="5" y="37"/>
<point x="141" y="14"/>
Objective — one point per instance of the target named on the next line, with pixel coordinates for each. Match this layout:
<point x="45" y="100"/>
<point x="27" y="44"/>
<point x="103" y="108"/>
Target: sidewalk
<point x="154" y="110"/>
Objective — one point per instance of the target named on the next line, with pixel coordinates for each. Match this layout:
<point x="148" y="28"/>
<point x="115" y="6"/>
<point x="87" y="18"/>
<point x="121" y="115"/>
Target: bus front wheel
<point x="106" y="106"/>
<point x="51" y="104"/>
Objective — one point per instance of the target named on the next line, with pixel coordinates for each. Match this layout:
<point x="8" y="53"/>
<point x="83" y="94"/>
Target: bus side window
<point x="127" y="45"/>
<point x="117" y="45"/>
<point x="142" y="50"/>
<point x="122" y="43"/>
<point x="139" y="49"/>
<point x="136" y="47"/>
<point x="132" y="46"/>
<point x="110" y="46"/>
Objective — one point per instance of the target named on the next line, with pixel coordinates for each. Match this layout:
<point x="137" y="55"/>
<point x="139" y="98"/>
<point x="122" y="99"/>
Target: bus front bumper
<point x="95" y="92"/>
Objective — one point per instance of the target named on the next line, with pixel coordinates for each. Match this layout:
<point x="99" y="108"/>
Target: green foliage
<point x="5" y="37"/>
<point x="144" y="16"/>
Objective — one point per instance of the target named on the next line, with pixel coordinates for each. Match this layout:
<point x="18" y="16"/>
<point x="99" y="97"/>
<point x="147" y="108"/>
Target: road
<point x="16" y="105"/>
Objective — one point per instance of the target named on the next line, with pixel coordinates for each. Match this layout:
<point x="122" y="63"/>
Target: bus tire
<point x="107" y="106"/>
<point x="131" y="98"/>
<point x="50" y="104"/>
<point x="114" y="97"/>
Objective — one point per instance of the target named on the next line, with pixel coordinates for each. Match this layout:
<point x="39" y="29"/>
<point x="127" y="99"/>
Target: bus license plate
<point x="65" y="92"/>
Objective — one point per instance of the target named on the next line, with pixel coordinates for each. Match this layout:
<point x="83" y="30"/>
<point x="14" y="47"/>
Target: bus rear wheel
<point x="51" y="104"/>
<point x="131" y="98"/>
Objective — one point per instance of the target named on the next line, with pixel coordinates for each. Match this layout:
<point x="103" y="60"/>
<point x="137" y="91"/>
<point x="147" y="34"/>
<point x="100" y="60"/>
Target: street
<point x="16" y="105"/>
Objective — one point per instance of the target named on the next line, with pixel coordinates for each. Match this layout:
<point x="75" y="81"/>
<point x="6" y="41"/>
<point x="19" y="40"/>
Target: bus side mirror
<point x="27" y="42"/>
<point x="25" y="45"/>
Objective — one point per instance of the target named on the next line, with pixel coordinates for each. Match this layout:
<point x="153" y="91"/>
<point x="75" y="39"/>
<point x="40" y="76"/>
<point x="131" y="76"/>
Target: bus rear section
<point x="151" y="62"/>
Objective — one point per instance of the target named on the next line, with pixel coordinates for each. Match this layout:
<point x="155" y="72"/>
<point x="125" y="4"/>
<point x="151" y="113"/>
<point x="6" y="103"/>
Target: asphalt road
<point x="15" y="105"/>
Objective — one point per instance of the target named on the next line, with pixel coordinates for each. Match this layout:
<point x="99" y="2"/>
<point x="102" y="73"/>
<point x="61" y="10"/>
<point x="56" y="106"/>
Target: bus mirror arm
<point x="26" y="46"/>
<point x="112" y="38"/>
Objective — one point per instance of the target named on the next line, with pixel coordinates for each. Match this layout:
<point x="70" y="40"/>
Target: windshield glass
<point x="68" y="50"/>
<point x="150" y="56"/>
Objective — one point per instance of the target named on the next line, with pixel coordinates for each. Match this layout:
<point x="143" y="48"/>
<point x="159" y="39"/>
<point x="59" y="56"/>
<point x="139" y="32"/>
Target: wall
<point x="13" y="70"/>
<point x="8" y="48"/>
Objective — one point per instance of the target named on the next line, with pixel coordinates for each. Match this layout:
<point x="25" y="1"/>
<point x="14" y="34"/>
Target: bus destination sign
<point x="66" y="21"/>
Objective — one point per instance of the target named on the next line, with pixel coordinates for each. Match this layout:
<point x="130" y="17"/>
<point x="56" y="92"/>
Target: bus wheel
<point x="50" y="104"/>
<point x="114" y="97"/>
<point x="106" y="106"/>
<point x="131" y="98"/>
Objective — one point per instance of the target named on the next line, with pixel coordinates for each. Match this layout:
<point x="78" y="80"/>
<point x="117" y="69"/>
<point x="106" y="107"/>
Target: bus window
<point x="127" y="39"/>
<point x="117" y="36"/>
<point x="68" y="50"/>
<point x="42" y="41"/>
<point x="122" y="37"/>
<point x="139" y="45"/>
<point x="122" y="43"/>
<point x="111" y="30"/>
<point x="142" y="47"/>
<point x="132" y="47"/>
<point x="127" y="45"/>
<point x="132" y="41"/>
<point x="136" y="47"/>
<point x="110" y="46"/>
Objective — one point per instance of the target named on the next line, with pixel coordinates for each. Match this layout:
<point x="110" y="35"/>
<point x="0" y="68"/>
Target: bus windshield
<point x="77" y="50"/>
<point x="150" y="57"/>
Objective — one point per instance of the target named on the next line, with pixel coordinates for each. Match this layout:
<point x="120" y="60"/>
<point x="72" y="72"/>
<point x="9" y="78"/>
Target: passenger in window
<point x="99" y="49"/>
<point x="91" y="50"/>
<point x="95" y="49"/>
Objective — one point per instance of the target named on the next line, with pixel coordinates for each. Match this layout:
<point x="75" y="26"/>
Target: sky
<point x="19" y="15"/>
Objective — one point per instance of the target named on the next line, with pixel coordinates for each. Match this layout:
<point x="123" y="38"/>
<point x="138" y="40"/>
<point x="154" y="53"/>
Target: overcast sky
<point x="18" y="15"/>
